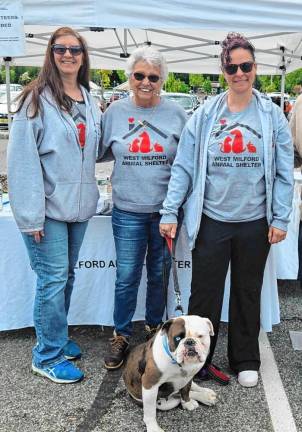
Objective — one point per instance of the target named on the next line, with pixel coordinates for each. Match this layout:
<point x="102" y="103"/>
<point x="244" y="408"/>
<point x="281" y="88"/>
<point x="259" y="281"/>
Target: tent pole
<point x="7" y="61"/>
<point x="125" y="41"/>
<point x="282" y="88"/>
<point x="283" y="71"/>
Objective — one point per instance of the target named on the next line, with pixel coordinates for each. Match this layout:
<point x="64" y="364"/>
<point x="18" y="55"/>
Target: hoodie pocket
<point x="63" y="204"/>
<point x="89" y="200"/>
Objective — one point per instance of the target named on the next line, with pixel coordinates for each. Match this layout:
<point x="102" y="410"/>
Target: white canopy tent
<point x="187" y="32"/>
<point x="194" y="51"/>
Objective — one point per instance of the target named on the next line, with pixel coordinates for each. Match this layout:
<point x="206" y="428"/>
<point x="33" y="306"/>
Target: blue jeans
<point x="134" y="235"/>
<point x="53" y="260"/>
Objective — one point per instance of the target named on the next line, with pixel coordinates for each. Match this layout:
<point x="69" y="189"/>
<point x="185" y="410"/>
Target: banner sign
<point x="12" y="36"/>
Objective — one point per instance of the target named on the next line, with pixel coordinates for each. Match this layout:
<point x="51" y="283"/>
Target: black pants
<point x="245" y="246"/>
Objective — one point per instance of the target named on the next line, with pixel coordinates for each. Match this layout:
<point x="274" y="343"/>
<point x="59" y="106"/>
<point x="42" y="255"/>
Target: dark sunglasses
<point x="61" y="49"/>
<point x="140" y="77"/>
<point x="231" y="69"/>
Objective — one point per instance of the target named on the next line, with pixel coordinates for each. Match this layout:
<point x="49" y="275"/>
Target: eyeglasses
<point x="140" y="77"/>
<point x="231" y="69"/>
<point x="75" y="50"/>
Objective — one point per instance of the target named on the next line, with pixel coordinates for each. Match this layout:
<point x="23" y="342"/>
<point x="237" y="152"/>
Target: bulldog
<point x="158" y="374"/>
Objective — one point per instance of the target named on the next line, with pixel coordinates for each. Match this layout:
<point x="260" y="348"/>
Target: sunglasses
<point x="140" y="77"/>
<point x="231" y="69"/>
<point x="75" y="50"/>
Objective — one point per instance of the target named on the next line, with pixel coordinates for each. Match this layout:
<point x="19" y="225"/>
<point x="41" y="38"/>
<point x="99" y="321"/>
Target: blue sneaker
<point x="72" y="351"/>
<point x="63" y="373"/>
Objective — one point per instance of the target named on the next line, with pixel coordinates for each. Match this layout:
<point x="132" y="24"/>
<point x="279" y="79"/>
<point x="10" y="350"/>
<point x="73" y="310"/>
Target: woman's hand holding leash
<point x="168" y="230"/>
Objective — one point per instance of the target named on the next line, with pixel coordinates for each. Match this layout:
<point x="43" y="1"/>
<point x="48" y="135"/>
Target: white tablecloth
<point x="92" y="300"/>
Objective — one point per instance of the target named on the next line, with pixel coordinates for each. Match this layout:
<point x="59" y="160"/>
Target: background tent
<point x="188" y="32"/>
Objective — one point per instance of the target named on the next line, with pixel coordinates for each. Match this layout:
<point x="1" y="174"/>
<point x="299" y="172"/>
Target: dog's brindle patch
<point x="184" y="392"/>
<point x="143" y="369"/>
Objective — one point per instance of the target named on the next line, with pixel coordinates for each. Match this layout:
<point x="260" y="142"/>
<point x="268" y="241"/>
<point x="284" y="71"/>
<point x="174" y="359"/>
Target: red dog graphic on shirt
<point x="143" y="145"/>
<point x="236" y="144"/>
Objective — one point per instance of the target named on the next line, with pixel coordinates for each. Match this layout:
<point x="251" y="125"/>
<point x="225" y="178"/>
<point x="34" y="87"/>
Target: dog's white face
<point x="189" y="338"/>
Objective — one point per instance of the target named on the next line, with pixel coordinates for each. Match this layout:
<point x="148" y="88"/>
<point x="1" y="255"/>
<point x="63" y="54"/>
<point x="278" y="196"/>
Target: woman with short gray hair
<point x="148" y="55"/>
<point x="142" y="132"/>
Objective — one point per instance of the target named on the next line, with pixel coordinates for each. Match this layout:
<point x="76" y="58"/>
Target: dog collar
<point x="167" y="349"/>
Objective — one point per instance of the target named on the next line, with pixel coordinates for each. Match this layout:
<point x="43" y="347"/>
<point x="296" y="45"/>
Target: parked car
<point x="276" y="97"/>
<point x="13" y="87"/>
<point x="116" y="95"/>
<point x="107" y="95"/>
<point x="98" y="98"/>
<point x="189" y="102"/>
<point x="3" y="107"/>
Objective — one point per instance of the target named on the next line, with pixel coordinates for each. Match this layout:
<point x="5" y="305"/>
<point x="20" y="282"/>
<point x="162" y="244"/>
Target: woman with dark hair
<point x="234" y="173"/>
<point x="53" y="193"/>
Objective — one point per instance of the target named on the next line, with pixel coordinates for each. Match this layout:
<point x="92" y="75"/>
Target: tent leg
<point x="282" y="89"/>
<point x="7" y="81"/>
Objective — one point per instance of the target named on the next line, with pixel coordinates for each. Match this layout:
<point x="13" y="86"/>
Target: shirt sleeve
<point x="25" y="176"/>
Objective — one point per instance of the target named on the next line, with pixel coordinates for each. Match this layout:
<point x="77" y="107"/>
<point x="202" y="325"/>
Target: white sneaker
<point x="248" y="378"/>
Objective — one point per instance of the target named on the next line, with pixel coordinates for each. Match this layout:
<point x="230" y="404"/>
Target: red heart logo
<point x="130" y="119"/>
<point x="223" y="121"/>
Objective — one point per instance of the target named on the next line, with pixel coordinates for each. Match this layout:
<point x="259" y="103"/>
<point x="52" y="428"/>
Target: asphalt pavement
<point x="100" y="403"/>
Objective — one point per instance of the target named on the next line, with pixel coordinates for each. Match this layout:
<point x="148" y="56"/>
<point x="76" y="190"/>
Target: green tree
<point x="25" y="78"/>
<point x="207" y="86"/>
<point x="175" y="84"/>
<point x="268" y="83"/>
<point x="222" y="82"/>
<point x="121" y="75"/>
<point x="196" y="81"/>
<point x="12" y="75"/>
<point x="101" y="77"/>
<point x="271" y="88"/>
<point x="293" y="79"/>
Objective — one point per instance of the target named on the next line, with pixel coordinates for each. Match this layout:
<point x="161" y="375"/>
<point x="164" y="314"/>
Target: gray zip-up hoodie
<point x="48" y="173"/>
<point x="188" y="175"/>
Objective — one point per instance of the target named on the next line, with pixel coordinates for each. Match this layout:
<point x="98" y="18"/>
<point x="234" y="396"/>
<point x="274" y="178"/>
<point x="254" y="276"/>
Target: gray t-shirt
<point x="143" y="142"/>
<point x="235" y="183"/>
<point x="78" y="113"/>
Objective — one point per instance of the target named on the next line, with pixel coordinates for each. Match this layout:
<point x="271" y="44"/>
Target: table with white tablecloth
<point x="92" y="300"/>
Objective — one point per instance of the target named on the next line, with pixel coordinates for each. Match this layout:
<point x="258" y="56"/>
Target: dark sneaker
<point x="72" y="350"/>
<point x="151" y="331"/>
<point x="63" y="373"/>
<point x="118" y="349"/>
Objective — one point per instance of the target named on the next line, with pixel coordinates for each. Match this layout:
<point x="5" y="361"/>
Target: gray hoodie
<point x="48" y="173"/>
<point x="188" y="174"/>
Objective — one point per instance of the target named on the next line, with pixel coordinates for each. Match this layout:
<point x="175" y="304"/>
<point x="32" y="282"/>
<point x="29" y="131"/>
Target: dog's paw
<point x="154" y="428"/>
<point x="190" y="405"/>
<point x="205" y="396"/>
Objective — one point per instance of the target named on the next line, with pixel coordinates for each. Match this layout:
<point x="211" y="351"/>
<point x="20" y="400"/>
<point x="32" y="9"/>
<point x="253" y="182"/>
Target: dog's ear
<point x="166" y="325"/>
<point x="210" y="325"/>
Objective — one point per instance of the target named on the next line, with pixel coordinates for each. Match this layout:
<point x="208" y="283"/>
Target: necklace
<point x="144" y="123"/>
